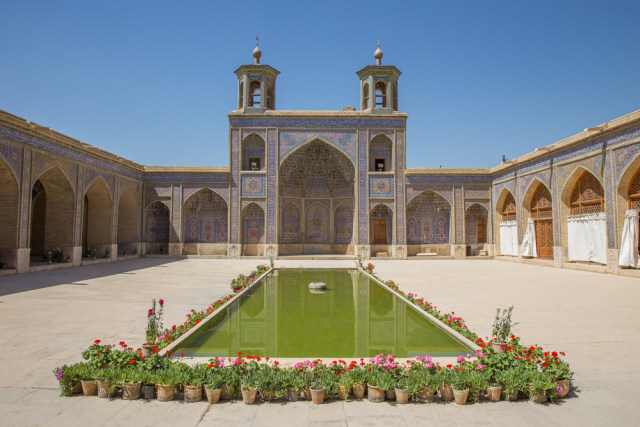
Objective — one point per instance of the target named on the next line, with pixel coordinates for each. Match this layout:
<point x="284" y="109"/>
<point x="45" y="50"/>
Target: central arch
<point x="316" y="184"/>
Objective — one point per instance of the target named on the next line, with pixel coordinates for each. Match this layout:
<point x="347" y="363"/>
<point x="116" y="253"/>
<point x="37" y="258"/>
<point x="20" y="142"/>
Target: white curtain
<point x="629" y="241"/>
<point x="508" y="238"/>
<point x="588" y="237"/>
<point x="528" y="247"/>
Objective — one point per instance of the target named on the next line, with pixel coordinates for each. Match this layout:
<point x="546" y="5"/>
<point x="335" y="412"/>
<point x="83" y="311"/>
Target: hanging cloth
<point x="629" y="240"/>
<point x="508" y="238"/>
<point x="529" y="240"/>
<point x="587" y="235"/>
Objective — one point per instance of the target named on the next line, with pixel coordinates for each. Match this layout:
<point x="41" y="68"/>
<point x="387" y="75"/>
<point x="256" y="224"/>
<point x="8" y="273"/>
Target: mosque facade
<point x="319" y="183"/>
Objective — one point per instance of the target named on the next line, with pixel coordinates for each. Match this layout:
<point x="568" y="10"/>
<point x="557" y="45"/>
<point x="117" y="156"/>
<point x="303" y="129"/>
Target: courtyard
<point x="48" y="318"/>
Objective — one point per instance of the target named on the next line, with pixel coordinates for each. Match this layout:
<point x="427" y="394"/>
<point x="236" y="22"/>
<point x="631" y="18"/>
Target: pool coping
<point x="290" y="361"/>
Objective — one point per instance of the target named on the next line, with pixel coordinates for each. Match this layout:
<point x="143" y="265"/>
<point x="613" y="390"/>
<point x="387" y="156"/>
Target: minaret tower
<point x="379" y="86"/>
<point x="256" y="85"/>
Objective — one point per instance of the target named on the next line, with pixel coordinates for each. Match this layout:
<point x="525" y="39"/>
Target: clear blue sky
<point x="152" y="81"/>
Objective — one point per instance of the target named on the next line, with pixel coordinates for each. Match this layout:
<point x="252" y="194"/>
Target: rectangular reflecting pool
<point x="353" y="317"/>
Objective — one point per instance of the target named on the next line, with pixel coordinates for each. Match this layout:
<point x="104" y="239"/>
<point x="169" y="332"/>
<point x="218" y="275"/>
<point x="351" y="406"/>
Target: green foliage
<point x="539" y="382"/>
<point x="68" y="378"/>
<point x="502" y="324"/>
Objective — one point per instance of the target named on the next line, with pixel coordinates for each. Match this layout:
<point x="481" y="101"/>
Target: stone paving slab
<point x="48" y="318"/>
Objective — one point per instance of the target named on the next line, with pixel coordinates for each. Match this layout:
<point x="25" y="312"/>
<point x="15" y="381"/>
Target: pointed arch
<point x="253" y="150"/>
<point x="539" y="206"/>
<point x="52" y="212"/>
<point x="476" y="221"/>
<point x="290" y="228"/>
<point x="128" y="237"/>
<point x="158" y="221"/>
<point x="381" y="153"/>
<point x="428" y="219"/>
<point x="56" y="169"/>
<point x="253" y="232"/>
<point x="627" y="190"/>
<point x="381" y="224"/>
<point x="310" y="142"/>
<point x="96" y="219"/>
<point x="205" y="218"/>
<point x="343" y="223"/>
<point x="9" y="205"/>
<point x="317" y="223"/>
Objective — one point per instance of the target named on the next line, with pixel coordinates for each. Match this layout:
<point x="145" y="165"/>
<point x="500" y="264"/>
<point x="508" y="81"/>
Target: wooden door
<point x="544" y="237"/>
<point x="379" y="231"/>
<point x="482" y="231"/>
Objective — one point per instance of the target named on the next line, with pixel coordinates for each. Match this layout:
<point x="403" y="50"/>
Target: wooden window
<point x="542" y="213"/>
<point x="633" y="202"/>
<point x="380" y="165"/>
<point x="241" y="100"/>
<point x="541" y="206"/>
<point x="509" y="209"/>
<point x="587" y="196"/>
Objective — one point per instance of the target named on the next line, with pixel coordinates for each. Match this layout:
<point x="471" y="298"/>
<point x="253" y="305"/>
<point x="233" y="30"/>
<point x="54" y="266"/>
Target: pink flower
<point x="460" y="359"/>
<point x="161" y="302"/>
<point x="480" y="367"/>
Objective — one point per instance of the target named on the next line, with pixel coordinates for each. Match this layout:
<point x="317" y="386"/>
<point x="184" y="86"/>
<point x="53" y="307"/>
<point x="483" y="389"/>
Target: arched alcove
<point x="253" y="149"/>
<point x="96" y="220"/>
<point x="506" y="227"/>
<point x="381" y="154"/>
<point x="9" y="203"/>
<point x="128" y="223"/>
<point x="158" y="221"/>
<point x="428" y="224"/>
<point x="381" y="225"/>
<point x="253" y="236"/>
<point x="205" y="223"/>
<point x="476" y="219"/>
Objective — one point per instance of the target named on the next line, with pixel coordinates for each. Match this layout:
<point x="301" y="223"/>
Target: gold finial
<point x="378" y="54"/>
<point x="257" y="41"/>
<point x="378" y="42"/>
<point x="256" y="53"/>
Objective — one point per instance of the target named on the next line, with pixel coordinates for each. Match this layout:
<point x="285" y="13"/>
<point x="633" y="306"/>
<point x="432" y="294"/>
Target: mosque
<point x="310" y="183"/>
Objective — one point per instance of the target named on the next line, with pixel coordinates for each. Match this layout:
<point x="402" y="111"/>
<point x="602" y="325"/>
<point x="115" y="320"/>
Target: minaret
<point x="256" y="85"/>
<point x="379" y="86"/>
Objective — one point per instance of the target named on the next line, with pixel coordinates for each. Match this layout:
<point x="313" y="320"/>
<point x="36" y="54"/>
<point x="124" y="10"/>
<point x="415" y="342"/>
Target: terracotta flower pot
<point x="149" y="391"/>
<point x="131" y="391"/>
<point x="317" y="396"/>
<point x="563" y="387"/>
<point x="212" y="395"/>
<point x="89" y="388"/>
<point x="147" y="349"/>
<point x="103" y="388"/>
<point x="461" y="396"/>
<point x="497" y="346"/>
<point x="538" y="397"/>
<point x="390" y="394"/>
<point x="249" y="396"/>
<point x="192" y="393"/>
<point x="77" y="389"/>
<point x="426" y="396"/>
<point x="343" y="393"/>
<point x="402" y="396"/>
<point x="293" y="395"/>
<point x="446" y="392"/>
<point x="375" y="394"/>
<point x="358" y="391"/>
<point x="166" y="392"/>
<point x="511" y="397"/>
<point x="226" y="393"/>
<point x="493" y="393"/>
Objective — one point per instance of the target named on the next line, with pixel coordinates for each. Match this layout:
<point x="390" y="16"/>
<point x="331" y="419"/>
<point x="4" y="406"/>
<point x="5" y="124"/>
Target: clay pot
<point x="343" y="393"/>
<point x="461" y="396"/>
<point x="375" y="394"/>
<point x="426" y="396"/>
<point x="103" y="388"/>
<point x="307" y="393"/>
<point x="77" y="389"/>
<point x="358" y="391"/>
<point x="249" y="396"/>
<point x="512" y="397"/>
<point x="402" y="396"/>
<point x="192" y="393"/>
<point x="538" y="397"/>
<point x="390" y="394"/>
<point x="497" y="346"/>
<point x="226" y="393"/>
<point x="446" y="392"/>
<point x="212" y="395"/>
<point x="493" y="393"/>
<point x="268" y="396"/>
<point x="564" y="386"/>
<point x="317" y="396"/>
<point x="147" y="349"/>
<point x="165" y="392"/>
<point x="149" y="391"/>
<point x="89" y="388"/>
<point x="131" y="391"/>
<point x="293" y="395"/>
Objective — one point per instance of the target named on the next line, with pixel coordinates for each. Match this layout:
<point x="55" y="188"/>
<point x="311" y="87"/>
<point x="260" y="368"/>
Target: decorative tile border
<point x="190" y="190"/>
<point x="176" y="214"/>
<point x="345" y="141"/>
<point x="235" y="180"/>
<point x="12" y="156"/>
<point x="315" y="122"/>
<point x="272" y="177"/>
<point x="525" y="181"/>
<point x="400" y="166"/>
<point x="448" y="179"/>
<point x="90" y="175"/>
<point x="42" y="162"/>
<point x="459" y="209"/>
<point x="158" y="190"/>
<point x="610" y="205"/>
<point x="445" y="191"/>
<point x="477" y="192"/>
<point x="380" y="186"/>
<point x="363" y="211"/>
<point x="622" y="158"/>
<point x="254" y="185"/>
<point x="26" y="198"/>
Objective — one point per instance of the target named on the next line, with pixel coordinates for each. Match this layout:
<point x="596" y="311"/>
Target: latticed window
<point x="634" y="192"/>
<point x="509" y="208"/>
<point x="541" y="206"/>
<point x="587" y="196"/>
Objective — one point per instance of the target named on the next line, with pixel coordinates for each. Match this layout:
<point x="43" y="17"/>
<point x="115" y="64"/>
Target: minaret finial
<point x="378" y="54"/>
<point x="256" y="53"/>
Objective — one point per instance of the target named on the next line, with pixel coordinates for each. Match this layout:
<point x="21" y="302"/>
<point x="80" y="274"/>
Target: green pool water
<point x="354" y="317"/>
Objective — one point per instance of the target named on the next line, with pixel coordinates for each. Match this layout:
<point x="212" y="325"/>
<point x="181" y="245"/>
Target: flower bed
<point x="519" y="370"/>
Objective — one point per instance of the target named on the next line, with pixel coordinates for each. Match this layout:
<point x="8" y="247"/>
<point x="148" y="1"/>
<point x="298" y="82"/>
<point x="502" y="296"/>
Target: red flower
<point x="98" y="355"/>
<point x="131" y="362"/>
<point x="503" y="347"/>
<point x="369" y="368"/>
<point x="239" y="353"/>
<point x="210" y="365"/>
<point x="554" y="354"/>
<point x="449" y="366"/>
<point x="266" y="358"/>
<point x="96" y="341"/>
<point x="181" y="354"/>
<point x="555" y="361"/>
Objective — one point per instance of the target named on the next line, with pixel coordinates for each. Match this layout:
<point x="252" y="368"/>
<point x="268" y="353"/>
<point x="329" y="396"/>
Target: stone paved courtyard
<point x="49" y="318"/>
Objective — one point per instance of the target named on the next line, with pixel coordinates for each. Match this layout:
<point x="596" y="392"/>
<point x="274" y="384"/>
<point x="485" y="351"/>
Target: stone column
<point x="23" y="253"/>
<point x="175" y="241"/>
<point x="372" y="93"/>
<point x="263" y="94"/>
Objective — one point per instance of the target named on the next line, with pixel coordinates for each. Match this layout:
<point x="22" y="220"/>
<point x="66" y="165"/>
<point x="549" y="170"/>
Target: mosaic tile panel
<point x="610" y="205"/>
<point x="90" y="175"/>
<point x="363" y="211"/>
<point x="235" y="191"/>
<point x="12" y="156"/>
<point x="79" y="201"/>
<point x="343" y="223"/>
<point x="477" y="192"/>
<point x="445" y="191"/>
<point x="26" y="198"/>
<point x="254" y="185"/>
<point x="158" y="190"/>
<point x="175" y="211"/>
<point x="428" y="220"/>
<point x="189" y="189"/>
<point x="557" y="223"/>
<point x="459" y="207"/>
<point x="444" y="179"/>
<point x="525" y="181"/>
<point x="342" y="140"/>
<point x="252" y="225"/>
<point x="380" y="186"/>
<point x="114" y="214"/>
<point x="400" y="165"/>
<point x="469" y="203"/>
<point x="202" y="177"/>
<point x="316" y="122"/>
<point x="124" y="183"/>
<point x="317" y="223"/>
<point x="474" y="212"/>
<point x="158" y="222"/>
<point x="509" y="185"/>
<point x="261" y="132"/>
<point x="260" y="202"/>
<point x="592" y="164"/>
<point x="290" y="223"/>
<point x="598" y="143"/>
<point x="272" y="180"/>
<point x="622" y="158"/>
<point x="375" y="132"/>
<point x="42" y="162"/>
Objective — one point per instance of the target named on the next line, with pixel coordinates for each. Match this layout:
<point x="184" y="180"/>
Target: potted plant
<point x="105" y="382"/>
<point x="461" y="381"/>
<point x="478" y="381"/>
<point x="375" y="393"/>
<point x="249" y="386"/>
<point x="494" y="388"/>
<point x="87" y="379"/>
<point x="445" y="377"/>
<point x="540" y="387"/>
<point x="358" y="378"/>
<point x="513" y="381"/>
<point x="322" y="386"/>
<point x="402" y="388"/>
<point x="167" y="379"/>
<point x="345" y="383"/>
<point x="193" y="385"/>
<point x="129" y="381"/>
<point x="147" y="378"/>
<point x="68" y="379"/>
<point x="154" y="326"/>
<point x="502" y="329"/>
<point x="213" y="384"/>
<point x="560" y="371"/>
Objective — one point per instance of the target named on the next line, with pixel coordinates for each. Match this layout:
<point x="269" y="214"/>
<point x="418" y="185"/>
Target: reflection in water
<point x="354" y="317"/>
